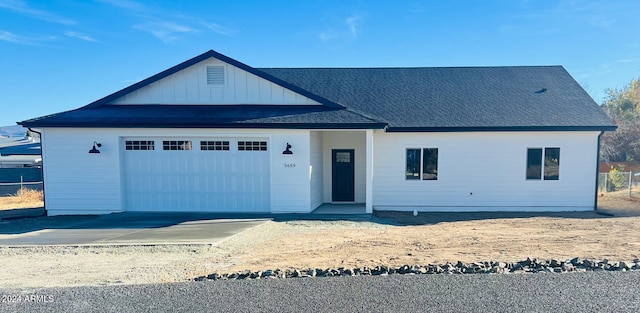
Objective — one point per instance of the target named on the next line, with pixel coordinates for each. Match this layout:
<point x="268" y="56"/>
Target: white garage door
<point x="196" y="174"/>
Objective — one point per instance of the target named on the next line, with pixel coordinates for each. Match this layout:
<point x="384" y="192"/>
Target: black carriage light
<point x="287" y="150"/>
<point x="94" y="150"/>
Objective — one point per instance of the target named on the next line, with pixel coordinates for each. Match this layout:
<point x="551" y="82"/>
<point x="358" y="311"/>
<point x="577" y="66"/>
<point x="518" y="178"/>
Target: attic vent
<point x="215" y="75"/>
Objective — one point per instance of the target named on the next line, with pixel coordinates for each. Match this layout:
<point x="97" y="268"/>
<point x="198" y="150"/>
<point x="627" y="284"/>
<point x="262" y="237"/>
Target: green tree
<point x="623" y="106"/>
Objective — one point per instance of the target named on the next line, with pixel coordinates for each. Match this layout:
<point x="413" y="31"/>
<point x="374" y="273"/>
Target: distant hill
<point x="12" y="131"/>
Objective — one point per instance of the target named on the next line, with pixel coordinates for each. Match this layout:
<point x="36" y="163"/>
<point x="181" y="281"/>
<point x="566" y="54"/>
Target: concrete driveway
<point x="134" y="229"/>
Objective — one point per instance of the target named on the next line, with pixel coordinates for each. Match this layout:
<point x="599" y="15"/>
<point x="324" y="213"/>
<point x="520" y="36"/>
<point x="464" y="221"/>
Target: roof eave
<point x="502" y="128"/>
<point x="196" y="125"/>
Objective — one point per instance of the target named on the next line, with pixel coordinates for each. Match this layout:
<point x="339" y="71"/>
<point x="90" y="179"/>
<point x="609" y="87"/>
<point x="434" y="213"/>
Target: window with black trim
<point x="252" y="146"/>
<point x="139" y="145"/>
<point x="422" y="164"/>
<point x="214" y="145"/>
<point x="543" y="163"/>
<point x="176" y="145"/>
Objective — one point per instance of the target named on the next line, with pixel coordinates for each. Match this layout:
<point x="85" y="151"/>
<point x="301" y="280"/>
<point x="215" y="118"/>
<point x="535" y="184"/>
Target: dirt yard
<point x="385" y="240"/>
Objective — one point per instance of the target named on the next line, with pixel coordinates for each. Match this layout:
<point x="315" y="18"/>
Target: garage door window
<point x="139" y="145"/>
<point x="252" y="146"/>
<point x="214" y="145"/>
<point x="176" y="145"/>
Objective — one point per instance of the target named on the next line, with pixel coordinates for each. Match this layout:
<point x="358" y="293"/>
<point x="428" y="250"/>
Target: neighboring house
<point x="20" y="162"/>
<point x="20" y="152"/>
<point x="214" y="134"/>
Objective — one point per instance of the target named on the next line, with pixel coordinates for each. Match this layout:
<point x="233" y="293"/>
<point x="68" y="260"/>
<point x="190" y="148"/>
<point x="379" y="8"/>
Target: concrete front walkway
<point x="341" y="209"/>
<point x="136" y="229"/>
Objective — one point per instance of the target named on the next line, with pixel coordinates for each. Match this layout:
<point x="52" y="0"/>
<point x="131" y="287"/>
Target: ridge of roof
<point x="406" y="67"/>
<point x="211" y="54"/>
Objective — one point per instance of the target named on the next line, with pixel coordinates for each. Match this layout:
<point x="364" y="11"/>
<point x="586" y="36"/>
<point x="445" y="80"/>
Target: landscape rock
<point x="493" y="267"/>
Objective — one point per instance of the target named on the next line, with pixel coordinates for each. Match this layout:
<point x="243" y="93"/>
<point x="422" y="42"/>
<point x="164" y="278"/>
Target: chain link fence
<point x="12" y="179"/>
<point x="618" y="182"/>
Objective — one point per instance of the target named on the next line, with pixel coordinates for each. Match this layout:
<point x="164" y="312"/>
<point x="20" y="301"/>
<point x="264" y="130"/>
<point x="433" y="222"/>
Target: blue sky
<point x="60" y="55"/>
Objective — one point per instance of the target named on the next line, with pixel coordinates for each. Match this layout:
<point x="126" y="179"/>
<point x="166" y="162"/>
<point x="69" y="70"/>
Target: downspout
<point x="595" y="201"/>
<point x="42" y="168"/>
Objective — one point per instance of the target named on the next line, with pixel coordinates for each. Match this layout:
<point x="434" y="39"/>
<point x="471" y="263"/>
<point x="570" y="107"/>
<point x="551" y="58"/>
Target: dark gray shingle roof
<point x="218" y="116"/>
<point x="454" y="98"/>
<point x="404" y="99"/>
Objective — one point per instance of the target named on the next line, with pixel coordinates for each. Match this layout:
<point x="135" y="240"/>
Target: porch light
<point x="288" y="149"/>
<point x="94" y="149"/>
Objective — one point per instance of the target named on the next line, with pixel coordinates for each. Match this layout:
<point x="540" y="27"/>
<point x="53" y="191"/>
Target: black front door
<point x="342" y="174"/>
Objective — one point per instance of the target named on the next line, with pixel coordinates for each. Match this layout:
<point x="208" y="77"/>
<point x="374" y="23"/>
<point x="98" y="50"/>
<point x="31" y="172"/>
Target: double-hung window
<point x="543" y="163"/>
<point x="422" y="164"/>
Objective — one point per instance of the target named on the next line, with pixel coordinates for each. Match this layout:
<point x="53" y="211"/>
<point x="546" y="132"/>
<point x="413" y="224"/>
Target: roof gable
<point x="186" y="83"/>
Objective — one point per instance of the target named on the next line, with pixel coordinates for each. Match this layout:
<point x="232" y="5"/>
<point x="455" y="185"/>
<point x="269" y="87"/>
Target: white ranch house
<point x="213" y="134"/>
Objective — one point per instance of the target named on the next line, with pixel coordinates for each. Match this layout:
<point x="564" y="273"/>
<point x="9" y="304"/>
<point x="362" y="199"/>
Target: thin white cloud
<point x="164" y="25"/>
<point x="631" y="60"/>
<point x="216" y="28"/>
<point x="353" y="23"/>
<point x="24" y="40"/>
<point x="336" y="34"/>
<point x="165" y="31"/>
<point x="326" y="36"/>
<point x="21" y="7"/>
<point x="11" y="37"/>
<point x="601" y="21"/>
<point x="80" y="36"/>
<point x="125" y="4"/>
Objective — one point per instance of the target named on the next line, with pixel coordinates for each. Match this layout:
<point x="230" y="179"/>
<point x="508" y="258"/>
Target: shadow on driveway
<point x="123" y="229"/>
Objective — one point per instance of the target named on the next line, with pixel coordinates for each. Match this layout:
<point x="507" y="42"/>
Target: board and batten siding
<point x="77" y="182"/>
<point x="315" y="169"/>
<point x="485" y="171"/>
<point x="355" y="140"/>
<point x="189" y="86"/>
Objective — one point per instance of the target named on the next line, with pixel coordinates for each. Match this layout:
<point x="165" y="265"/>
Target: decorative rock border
<point x="526" y="266"/>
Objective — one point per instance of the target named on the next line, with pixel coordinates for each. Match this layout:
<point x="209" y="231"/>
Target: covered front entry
<point x="341" y="169"/>
<point x="196" y="174"/>
<point x="342" y="175"/>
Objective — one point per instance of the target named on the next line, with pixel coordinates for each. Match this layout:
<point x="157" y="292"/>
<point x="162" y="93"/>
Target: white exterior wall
<point x="315" y="170"/>
<point x="290" y="185"/>
<point x="345" y="140"/>
<point x="484" y="171"/>
<point x="189" y="86"/>
<point x="478" y="171"/>
<point x="77" y="182"/>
